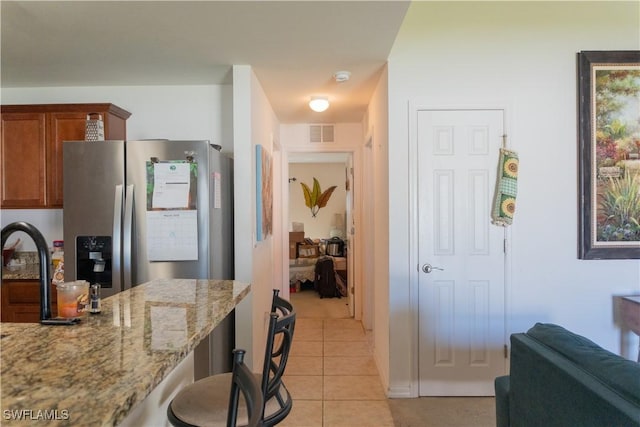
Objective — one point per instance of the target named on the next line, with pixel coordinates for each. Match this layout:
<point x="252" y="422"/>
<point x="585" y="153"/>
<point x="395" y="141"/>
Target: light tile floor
<point x="334" y="380"/>
<point x="331" y="373"/>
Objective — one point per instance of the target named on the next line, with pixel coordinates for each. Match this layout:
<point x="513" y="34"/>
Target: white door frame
<point x="368" y="228"/>
<point x="415" y="106"/>
<point x="356" y="154"/>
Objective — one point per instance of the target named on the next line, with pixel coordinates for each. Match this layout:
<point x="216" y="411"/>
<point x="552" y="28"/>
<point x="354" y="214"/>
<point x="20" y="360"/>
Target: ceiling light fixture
<point x="319" y="103"/>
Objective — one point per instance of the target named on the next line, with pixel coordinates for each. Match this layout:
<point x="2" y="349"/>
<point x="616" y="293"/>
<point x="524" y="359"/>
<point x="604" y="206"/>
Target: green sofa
<point x="558" y="378"/>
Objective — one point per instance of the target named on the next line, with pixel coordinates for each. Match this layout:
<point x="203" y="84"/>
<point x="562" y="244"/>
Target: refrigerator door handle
<point x="127" y="244"/>
<point x="116" y="261"/>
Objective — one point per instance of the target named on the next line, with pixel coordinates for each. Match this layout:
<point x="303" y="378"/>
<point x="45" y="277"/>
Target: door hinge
<point x="506" y="351"/>
<point x="504" y="245"/>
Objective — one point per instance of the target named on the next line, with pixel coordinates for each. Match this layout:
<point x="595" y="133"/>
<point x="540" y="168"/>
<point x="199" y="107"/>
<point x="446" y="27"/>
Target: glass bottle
<point x="58" y="253"/>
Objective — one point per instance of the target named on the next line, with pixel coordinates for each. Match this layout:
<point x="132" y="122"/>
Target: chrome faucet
<point x="45" y="262"/>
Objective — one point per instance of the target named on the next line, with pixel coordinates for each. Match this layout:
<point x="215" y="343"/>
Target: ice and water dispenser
<point x="94" y="260"/>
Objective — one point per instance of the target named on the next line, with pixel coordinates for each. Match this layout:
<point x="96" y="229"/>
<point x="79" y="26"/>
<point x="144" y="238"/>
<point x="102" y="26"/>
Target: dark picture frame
<point x="609" y="154"/>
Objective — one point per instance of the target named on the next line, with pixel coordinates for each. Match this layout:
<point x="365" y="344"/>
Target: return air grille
<point x="321" y="133"/>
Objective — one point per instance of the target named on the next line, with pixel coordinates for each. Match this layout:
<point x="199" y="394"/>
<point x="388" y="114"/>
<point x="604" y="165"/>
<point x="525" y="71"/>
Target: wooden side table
<point x="629" y="322"/>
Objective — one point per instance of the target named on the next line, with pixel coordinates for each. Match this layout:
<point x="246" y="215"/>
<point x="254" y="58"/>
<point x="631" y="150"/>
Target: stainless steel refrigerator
<point x="140" y="210"/>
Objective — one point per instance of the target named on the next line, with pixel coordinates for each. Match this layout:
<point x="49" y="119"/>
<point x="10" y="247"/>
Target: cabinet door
<point x="62" y="127"/>
<point x="23" y="162"/>
<point x="31" y="149"/>
<point x="21" y="301"/>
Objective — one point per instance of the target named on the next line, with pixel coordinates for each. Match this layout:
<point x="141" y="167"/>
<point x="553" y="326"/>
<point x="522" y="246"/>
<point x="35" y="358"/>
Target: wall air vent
<point x="321" y="133"/>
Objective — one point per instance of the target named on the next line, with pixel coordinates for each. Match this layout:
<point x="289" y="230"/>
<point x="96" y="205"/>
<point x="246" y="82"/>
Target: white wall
<point x="243" y="205"/>
<point x="327" y="174"/>
<point x="376" y="225"/>
<point x="524" y="54"/>
<point x="254" y="123"/>
<point x="171" y="112"/>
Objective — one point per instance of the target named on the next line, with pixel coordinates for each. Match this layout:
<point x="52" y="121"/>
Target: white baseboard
<point x="400" y="393"/>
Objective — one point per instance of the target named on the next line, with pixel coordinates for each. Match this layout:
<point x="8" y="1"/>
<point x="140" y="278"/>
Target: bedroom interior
<point x="317" y="229"/>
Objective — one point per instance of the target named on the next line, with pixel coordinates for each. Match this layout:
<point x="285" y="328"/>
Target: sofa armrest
<point x="547" y="389"/>
<point x="502" y="401"/>
<point x="618" y="373"/>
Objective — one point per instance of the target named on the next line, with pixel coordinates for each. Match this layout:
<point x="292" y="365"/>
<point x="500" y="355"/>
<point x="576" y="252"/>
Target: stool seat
<point x="205" y="402"/>
<point x="189" y="407"/>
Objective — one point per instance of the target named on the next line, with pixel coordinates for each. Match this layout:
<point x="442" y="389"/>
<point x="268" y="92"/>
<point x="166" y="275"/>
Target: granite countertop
<point x="21" y="272"/>
<point x="27" y="267"/>
<point x="98" y="370"/>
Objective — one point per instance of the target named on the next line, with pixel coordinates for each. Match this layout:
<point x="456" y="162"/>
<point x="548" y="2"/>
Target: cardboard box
<point x="308" y="251"/>
<point x="296" y="236"/>
<point x="293" y="250"/>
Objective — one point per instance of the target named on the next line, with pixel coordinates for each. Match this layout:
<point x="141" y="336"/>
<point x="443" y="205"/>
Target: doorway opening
<point x="323" y="224"/>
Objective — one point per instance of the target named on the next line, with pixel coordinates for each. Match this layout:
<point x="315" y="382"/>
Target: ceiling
<point x="293" y="47"/>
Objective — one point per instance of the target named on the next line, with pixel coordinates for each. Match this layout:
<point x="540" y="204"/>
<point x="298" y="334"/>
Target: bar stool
<point x="242" y="381"/>
<point x="202" y="403"/>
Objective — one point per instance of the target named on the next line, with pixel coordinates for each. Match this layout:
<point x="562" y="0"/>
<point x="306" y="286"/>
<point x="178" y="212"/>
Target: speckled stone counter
<point x="94" y="373"/>
<point x="27" y="267"/>
<point x="21" y="272"/>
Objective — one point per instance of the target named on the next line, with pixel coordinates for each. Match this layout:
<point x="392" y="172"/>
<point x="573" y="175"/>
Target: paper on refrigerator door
<point x="171" y="185"/>
<point x="217" y="191"/>
<point x="172" y="235"/>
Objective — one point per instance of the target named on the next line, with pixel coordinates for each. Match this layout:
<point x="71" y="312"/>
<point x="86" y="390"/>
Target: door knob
<point x="428" y="268"/>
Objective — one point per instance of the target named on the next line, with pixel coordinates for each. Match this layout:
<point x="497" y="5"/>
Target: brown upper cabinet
<point x="31" y="148"/>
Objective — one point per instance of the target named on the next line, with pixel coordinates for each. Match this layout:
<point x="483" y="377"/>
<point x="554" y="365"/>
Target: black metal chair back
<point x="279" y="305"/>
<point x="279" y="339"/>
<point x="245" y="382"/>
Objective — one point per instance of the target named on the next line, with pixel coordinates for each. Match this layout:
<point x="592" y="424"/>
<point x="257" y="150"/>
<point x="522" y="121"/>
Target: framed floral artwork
<point x="264" y="194"/>
<point x="609" y="154"/>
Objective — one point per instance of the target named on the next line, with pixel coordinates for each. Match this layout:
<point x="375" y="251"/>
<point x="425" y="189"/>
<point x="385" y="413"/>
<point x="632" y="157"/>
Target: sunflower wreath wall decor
<point x="316" y="198"/>
<point x="506" y="188"/>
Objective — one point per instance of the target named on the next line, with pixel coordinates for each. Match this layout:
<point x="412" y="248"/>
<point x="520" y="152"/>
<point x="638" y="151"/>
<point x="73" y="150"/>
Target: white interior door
<point x="461" y="254"/>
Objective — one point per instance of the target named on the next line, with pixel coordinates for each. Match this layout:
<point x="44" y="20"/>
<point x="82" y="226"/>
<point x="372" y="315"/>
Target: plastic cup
<point x="73" y="298"/>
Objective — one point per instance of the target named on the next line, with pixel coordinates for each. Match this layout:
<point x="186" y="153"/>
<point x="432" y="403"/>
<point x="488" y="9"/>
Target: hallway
<point x="331" y="373"/>
<point x="334" y="381"/>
